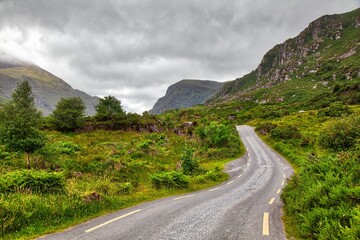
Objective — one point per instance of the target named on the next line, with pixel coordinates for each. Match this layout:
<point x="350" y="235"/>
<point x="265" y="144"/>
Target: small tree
<point x="109" y="108"/>
<point x="20" y="121"/>
<point x="69" y="114"/>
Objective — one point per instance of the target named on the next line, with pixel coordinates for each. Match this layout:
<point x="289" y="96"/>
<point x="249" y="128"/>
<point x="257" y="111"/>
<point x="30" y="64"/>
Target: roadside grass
<point x="104" y="171"/>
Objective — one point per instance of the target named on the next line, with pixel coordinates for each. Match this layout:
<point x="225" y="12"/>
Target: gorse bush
<point x="32" y="180"/>
<point x="171" y="179"/>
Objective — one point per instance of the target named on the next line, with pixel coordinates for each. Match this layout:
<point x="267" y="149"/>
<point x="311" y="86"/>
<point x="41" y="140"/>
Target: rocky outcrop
<point x="186" y="93"/>
<point x="316" y="50"/>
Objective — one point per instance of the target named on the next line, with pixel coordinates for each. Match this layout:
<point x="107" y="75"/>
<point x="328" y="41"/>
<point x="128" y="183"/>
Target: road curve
<point x="245" y="207"/>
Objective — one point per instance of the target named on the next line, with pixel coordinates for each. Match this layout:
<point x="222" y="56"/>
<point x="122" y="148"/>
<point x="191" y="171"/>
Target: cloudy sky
<point x="135" y="49"/>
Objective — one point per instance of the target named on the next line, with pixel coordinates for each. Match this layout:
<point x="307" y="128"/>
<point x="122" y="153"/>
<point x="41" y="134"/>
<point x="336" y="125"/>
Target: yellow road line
<point x="113" y="220"/>
<point x="214" y="189"/>
<point x="230" y="182"/>
<point x="284" y="175"/>
<point x="272" y="201"/>
<point x="278" y="191"/>
<point x="282" y="183"/>
<point x="266" y="224"/>
<point x="239" y="176"/>
<point x="183" y="197"/>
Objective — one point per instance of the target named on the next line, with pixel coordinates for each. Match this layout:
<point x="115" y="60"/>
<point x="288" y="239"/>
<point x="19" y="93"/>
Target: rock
<point x="91" y="197"/>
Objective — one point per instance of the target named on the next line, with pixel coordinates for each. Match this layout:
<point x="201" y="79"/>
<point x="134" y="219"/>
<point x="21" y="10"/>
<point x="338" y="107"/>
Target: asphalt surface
<point x="247" y="206"/>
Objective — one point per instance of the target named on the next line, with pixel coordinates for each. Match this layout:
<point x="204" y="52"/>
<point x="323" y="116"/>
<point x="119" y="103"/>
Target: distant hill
<point x="186" y="93"/>
<point x="47" y="88"/>
<point x="326" y="53"/>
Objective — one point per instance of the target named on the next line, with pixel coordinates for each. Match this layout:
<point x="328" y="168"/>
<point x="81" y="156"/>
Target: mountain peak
<point x="186" y="93"/>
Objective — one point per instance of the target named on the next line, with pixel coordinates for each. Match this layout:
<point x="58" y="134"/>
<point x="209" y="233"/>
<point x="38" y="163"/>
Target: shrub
<point x="285" y="132"/>
<point x="265" y="128"/>
<point x="340" y="134"/>
<point x="36" y="181"/>
<point x="335" y="110"/>
<point x="189" y="166"/>
<point x="216" y="135"/>
<point x="171" y="179"/>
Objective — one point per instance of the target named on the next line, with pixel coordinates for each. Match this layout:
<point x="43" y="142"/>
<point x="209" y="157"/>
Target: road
<point x="247" y="206"/>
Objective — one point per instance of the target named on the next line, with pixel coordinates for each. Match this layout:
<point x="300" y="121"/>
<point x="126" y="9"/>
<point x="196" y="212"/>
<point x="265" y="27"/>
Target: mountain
<point x="326" y="53"/>
<point x="186" y="93"/>
<point x="47" y="88"/>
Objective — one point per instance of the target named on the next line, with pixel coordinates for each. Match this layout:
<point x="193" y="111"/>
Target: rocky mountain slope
<point x="186" y="93"/>
<point x="327" y="52"/>
<point x="47" y="88"/>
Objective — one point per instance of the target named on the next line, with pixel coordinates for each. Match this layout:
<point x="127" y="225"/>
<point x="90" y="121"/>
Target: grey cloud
<point x="144" y="46"/>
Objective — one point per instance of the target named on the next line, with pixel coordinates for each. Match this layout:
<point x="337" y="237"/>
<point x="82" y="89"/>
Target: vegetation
<point x="93" y="172"/>
<point x="69" y="114"/>
<point x="322" y="198"/>
<point x="19" y="123"/>
<point x="109" y="108"/>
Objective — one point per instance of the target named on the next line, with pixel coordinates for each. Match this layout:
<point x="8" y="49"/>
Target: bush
<point x="189" y="166"/>
<point x="265" y="128"/>
<point x="285" y="132"/>
<point x="335" y="110"/>
<point x="32" y="180"/>
<point x="340" y="134"/>
<point x="171" y="179"/>
<point x="216" y="135"/>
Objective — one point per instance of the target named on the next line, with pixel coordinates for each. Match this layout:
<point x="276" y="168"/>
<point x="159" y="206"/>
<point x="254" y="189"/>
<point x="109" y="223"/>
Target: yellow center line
<point x="272" y="201"/>
<point x="239" y="176"/>
<point x="284" y="175"/>
<point x="266" y="224"/>
<point x="282" y="183"/>
<point x="278" y="191"/>
<point x="183" y="197"/>
<point x="214" y="189"/>
<point x="113" y="220"/>
<point x="230" y="182"/>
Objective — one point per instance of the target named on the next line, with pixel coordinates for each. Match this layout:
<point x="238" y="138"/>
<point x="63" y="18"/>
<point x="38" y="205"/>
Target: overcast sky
<point x="135" y="49"/>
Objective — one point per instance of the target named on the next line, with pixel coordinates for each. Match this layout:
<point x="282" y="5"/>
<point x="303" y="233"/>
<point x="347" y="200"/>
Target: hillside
<point x="326" y="53"/>
<point x="186" y="93"/>
<point x="47" y="88"/>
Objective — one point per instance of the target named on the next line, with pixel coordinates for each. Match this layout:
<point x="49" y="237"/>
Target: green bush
<point x="285" y="132"/>
<point x="216" y="134"/>
<point x="171" y="179"/>
<point x="340" y="134"/>
<point x="189" y="165"/>
<point x="32" y="180"/>
<point x="335" y="110"/>
<point x="265" y="128"/>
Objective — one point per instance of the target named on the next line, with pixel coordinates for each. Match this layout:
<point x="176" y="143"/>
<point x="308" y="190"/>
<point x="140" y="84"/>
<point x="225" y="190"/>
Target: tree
<point x="69" y="114"/>
<point x="20" y="121"/>
<point x="109" y="108"/>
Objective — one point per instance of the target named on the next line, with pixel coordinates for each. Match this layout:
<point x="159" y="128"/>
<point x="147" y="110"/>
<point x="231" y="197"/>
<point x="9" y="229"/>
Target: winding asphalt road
<point x="245" y="207"/>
